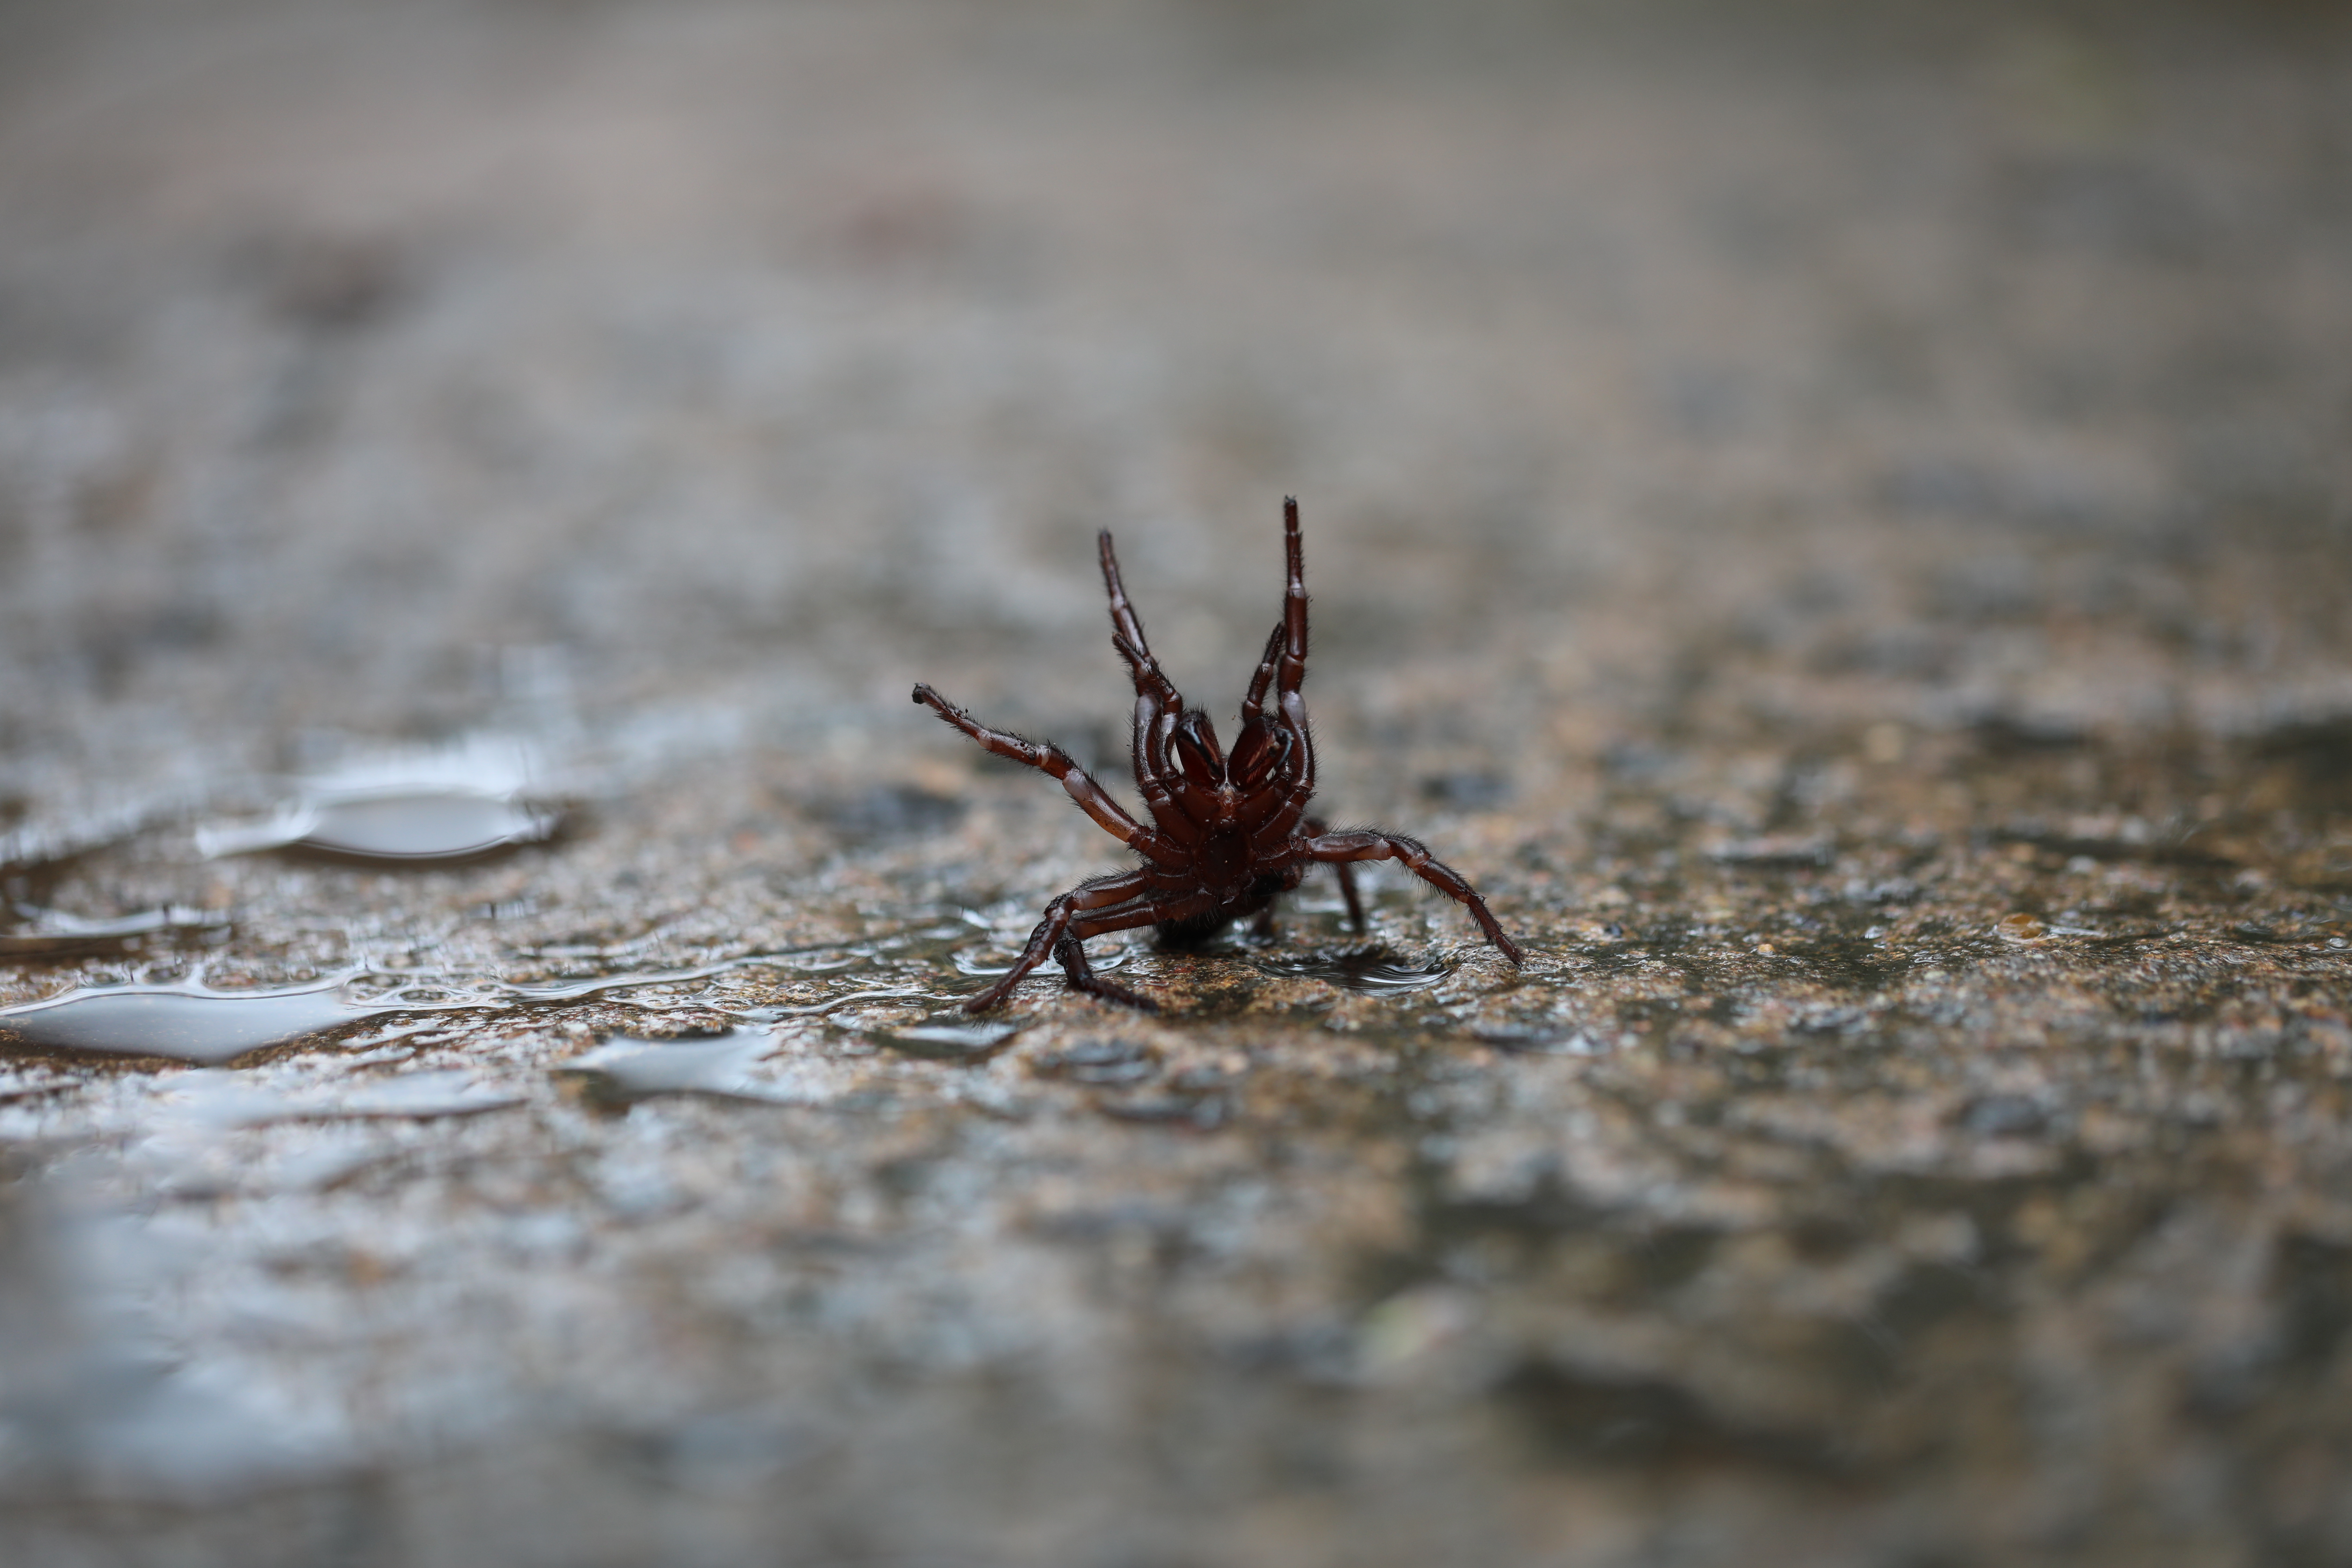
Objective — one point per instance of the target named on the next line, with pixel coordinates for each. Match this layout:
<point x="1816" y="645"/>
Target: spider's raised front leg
<point x="1049" y="758"/>
<point x="1158" y="706"/>
<point x="1339" y="848"/>
<point x="1289" y="675"/>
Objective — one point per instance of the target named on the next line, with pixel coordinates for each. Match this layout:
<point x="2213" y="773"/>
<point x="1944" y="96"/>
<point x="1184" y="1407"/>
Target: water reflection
<point x="1376" y="969"/>
<point x="183" y="1022"/>
<point x="448" y="804"/>
<point x="948" y="1040"/>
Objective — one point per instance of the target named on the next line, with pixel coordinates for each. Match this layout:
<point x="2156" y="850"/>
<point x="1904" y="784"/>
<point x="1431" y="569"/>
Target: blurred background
<point x="361" y="361"/>
<point x="1747" y="451"/>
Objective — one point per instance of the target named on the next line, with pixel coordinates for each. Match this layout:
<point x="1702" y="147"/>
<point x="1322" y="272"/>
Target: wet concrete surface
<point x="1837" y="520"/>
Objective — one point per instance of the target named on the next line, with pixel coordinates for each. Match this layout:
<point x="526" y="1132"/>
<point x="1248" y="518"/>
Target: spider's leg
<point x="1101" y="893"/>
<point x="1290" y="671"/>
<point x="1253" y="704"/>
<point x="1071" y="954"/>
<point x="1347" y="874"/>
<point x="1155" y="722"/>
<point x="1127" y="636"/>
<point x="1123" y="623"/>
<point x="1339" y="848"/>
<point x="1174" y="802"/>
<point x="1144" y="910"/>
<point x="1048" y="758"/>
<point x="1314" y="828"/>
<point x="1290" y="810"/>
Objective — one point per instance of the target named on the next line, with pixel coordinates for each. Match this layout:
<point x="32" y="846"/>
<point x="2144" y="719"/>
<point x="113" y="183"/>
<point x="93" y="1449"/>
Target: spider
<point x="1230" y="832"/>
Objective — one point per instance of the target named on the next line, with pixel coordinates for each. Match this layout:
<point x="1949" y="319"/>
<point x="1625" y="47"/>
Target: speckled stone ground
<point x="1837" y="519"/>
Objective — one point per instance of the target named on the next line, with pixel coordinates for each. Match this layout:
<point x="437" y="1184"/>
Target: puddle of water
<point x="950" y="1042"/>
<point x="453" y="803"/>
<point x="447" y="824"/>
<point x="1376" y="969"/>
<point x="424" y="826"/>
<point x="183" y="1022"/>
<point x="189" y="1022"/>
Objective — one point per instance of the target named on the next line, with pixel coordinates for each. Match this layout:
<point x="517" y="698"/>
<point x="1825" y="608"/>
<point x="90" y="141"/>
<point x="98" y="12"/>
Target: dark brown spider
<point x="1229" y="834"/>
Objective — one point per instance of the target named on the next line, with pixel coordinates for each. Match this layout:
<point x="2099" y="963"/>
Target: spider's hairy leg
<point x="1100" y="893"/>
<point x="1344" y="869"/>
<point x="1259" y="748"/>
<point x="1347" y="874"/>
<point x="1153" y="686"/>
<point x="1288" y="811"/>
<point x="1309" y="827"/>
<point x="1071" y="954"/>
<point x="1122" y="897"/>
<point x="1158" y="707"/>
<point x="1290" y="671"/>
<point x="1051" y="758"/>
<point x="1160" y="782"/>
<point x="1339" y="848"/>
<point x="1253" y="700"/>
<point x="1123" y="625"/>
<point x="1293" y="602"/>
<point x="1144" y="910"/>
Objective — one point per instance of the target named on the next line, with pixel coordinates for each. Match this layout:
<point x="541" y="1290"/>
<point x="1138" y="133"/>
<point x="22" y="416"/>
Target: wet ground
<point x="1837" y="520"/>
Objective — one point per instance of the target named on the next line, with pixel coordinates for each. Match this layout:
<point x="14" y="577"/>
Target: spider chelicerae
<point x="1230" y="832"/>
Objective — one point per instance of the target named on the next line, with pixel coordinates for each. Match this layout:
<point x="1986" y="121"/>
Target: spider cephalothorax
<point x="1229" y="831"/>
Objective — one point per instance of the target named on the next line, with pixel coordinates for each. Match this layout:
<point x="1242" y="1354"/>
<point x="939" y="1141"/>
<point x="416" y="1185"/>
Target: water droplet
<point x="2020" y="927"/>
<point x="185" y="1023"/>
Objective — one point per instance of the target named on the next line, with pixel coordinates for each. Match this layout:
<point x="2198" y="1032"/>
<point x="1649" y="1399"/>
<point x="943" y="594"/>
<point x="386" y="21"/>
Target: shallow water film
<point x="1837" y="519"/>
